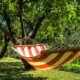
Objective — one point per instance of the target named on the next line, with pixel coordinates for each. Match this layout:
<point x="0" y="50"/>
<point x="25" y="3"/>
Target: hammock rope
<point x="66" y="42"/>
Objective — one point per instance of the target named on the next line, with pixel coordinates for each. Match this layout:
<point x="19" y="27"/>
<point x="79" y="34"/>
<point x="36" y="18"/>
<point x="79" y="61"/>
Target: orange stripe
<point x="30" y="52"/>
<point x="70" y="57"/>
<point x="36" y="50"/>
<point x="50" y="62"/>
<point x="42" y="57"/>
<point x="75" y="59"/>
<point x="42" y="47"/>
<point x="22" y="50"/>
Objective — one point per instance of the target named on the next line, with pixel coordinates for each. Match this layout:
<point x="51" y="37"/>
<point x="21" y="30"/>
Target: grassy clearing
<point x="13" y="69"/>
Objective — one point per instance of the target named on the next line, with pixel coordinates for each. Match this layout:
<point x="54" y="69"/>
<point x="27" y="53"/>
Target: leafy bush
<point x="71" y="67"/>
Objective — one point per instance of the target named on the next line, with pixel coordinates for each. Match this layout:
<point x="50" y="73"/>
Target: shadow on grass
<point x="16" y="71"/>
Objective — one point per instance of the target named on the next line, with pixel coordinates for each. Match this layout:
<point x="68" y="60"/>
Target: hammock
<point x="38" y="56"/>
<point x="61" y="53"/>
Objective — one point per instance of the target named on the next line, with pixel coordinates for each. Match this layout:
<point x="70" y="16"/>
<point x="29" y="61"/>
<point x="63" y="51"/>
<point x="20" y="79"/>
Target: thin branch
<point x="49" y="6"/>
<point x="30" y="25"/>
<point x="21" y="20"/>
<point x="37" y="26"/>
<point x="5" y="30"/>
<point x="29" y="1"/>
<point x="4" y="47"/>
<point x="25" y="20"/>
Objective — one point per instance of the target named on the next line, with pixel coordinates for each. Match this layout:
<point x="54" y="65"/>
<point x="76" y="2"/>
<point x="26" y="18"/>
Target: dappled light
<point x="16" y="71"/>
<point x="44" y="34"/>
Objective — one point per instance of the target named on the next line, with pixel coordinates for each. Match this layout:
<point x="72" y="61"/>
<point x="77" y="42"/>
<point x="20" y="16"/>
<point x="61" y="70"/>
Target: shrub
<point x="71" y="67"/>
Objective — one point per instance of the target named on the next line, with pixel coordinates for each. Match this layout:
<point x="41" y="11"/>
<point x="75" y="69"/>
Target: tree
<point x="21" y="18"/>
<point x="10" y="9"/>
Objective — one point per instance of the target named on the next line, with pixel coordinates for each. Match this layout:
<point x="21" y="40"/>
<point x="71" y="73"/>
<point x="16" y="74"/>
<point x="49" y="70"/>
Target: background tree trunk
<point x="27" y="65"/>
<point x="5" y="46"/>
<point x="27" y="41"/>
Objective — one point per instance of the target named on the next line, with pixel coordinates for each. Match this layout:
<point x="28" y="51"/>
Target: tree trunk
<point x="27" y="41"/>
<point x="27" y="65"/>
<point x="5" y="46"/>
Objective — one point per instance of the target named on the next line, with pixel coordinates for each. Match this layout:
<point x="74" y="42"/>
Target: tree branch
<point x="12" y="35"/>
<point x="1" y="1"/>
<point x="5" y="46"/>
<point x="29" y="1"/>
<point x="30" y="25"/>
<point x="5" y="30"/>
<point x="25" y="20"/>
<point x="40" y="21"/>
<point x="37" y="26"/>
<point x="21" y="20"/>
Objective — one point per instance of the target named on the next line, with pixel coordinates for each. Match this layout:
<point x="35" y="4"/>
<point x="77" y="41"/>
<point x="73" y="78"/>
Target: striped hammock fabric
<point x="29" y="51"/>
<point x="38" y="56"/>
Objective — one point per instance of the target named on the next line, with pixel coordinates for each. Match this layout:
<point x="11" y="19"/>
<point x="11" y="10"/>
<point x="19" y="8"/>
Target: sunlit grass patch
<point x="9" y="60"/>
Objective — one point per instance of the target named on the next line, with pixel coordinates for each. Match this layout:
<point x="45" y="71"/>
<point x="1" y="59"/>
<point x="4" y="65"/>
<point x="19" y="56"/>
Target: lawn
<point x="13" y="69"/>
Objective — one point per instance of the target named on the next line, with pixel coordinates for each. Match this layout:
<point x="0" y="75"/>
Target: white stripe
<point x="54" y="65"/>
<point x="65" y="56"/>
<point x="39" y="48"/>
<point x="26" y="52"/>
<point x="45" y="47"/>
<point x="76" y="56"/>
<point x="44" y="61"/>
<point x="20" y="51"/>
<point x="33" y="51"/>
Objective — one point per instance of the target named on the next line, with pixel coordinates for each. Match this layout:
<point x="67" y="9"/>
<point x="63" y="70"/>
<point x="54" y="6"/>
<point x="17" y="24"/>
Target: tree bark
<point x="4" y="47"/>
<point x="27" y="65"/>
<point x="5" y="30"/>
<point x="27" y="41"/>
<point x="37" y="26"/>
<point x="12" y="35"/>
<point x="21" y="20"/>
<point x="24" y="42"/>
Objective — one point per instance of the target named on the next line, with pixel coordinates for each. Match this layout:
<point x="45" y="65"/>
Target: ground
<point x="13" y="69"/>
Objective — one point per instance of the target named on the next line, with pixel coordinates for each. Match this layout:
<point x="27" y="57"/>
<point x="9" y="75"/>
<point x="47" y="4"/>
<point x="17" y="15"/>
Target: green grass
<point x="13" y="69"/>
